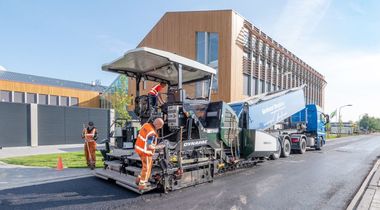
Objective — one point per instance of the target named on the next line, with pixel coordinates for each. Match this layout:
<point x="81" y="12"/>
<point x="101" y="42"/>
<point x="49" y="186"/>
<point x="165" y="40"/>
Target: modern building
<point x="248" y="61"/>
<point x="24" y="88"/>
<point x="343" y="128"/>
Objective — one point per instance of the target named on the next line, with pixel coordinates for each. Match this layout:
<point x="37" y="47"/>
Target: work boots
<point x="137" y="180"/>
<point x="92" y="166"/>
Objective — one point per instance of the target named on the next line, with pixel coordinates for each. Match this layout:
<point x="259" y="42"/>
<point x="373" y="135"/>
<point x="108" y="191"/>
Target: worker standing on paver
<point x="90" y="135"/>
<point x="145" y="146"/>
<point x="155" y="93"/>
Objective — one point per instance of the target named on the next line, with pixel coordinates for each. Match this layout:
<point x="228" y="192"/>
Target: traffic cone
<point x="59" y="164"/>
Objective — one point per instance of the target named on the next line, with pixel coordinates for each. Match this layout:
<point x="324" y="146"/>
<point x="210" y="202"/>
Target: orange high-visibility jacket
<point x="155" y="89"/>
<point x="147" y="132"/>
<point x="89" y="136"/>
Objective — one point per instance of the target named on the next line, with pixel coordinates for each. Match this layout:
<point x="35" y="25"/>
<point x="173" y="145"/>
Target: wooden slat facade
<point x="258" y="56"/>
<point x="176" y="33"/>
<point x="88" y="99"/>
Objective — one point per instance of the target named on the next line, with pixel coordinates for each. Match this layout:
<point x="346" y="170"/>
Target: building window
<point x="246" y="85"/>
<point x="254" y="85"/>
<point x="43" y="99"/>
<point x="207" y="44"/>
<point x="54" y="100"/>
<point x="213" y="46"/>
<point x="31" y="98"/>
<point x="201" y="47"/>
<point x="262" y="84"/>
<point x="64" y="101"/>
<point x="5" y="96"/>
<point x="19" y="97"/>
<point x="74" y="101"/>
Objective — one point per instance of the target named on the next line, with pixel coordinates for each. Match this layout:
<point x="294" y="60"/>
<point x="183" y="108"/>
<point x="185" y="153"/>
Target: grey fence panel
<point x="51" y="125"/>
<point x="64" y="125"/>
<point x="75" y="118"/>
<point x="55" y="125"/>
<point x="14" y="124"/>
<point x="101" y="119"/>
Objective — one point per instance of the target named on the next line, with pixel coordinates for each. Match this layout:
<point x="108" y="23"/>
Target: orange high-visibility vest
<point x="141" y="145"/>
<point x="89" y="136"/>
<point x="155" y="89"/>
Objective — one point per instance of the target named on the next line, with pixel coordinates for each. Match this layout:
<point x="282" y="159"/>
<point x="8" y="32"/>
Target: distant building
<point x="25" y="88"/>
<point x="345" y="128"/>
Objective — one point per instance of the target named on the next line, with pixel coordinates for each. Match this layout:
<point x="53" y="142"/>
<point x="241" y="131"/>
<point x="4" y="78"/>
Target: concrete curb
<point x="363" y="197"/>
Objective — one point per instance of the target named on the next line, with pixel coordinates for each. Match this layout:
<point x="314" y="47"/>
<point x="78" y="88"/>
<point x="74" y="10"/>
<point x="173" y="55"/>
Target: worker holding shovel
<point x="90" y="135"/>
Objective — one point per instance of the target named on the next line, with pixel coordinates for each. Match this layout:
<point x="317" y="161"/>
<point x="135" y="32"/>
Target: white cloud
<point x="113" y="45"/>
<point x="2" y="68"/>
<point x="298" y="19"/>
<point x="353" y="78"/>
<point x="357" y="8"/>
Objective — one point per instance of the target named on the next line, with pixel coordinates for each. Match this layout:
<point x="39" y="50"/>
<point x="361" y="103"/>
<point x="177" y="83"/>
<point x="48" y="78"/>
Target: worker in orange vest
<point x="90" y="135"/>
<point x="145" y="147"/>
<point x="155" y="94"/>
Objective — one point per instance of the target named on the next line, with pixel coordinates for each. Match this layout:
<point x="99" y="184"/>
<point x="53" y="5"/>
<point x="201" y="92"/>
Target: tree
<point x="120" y="99"/>
<point x="369" y="123"/>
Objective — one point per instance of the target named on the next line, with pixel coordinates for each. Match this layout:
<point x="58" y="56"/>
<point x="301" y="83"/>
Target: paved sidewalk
<point x="368" y="196"/>
<point x="26" y="151"/>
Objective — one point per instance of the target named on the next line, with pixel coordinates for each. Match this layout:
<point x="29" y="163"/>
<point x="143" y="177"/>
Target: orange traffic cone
<point x="59" y="164"/>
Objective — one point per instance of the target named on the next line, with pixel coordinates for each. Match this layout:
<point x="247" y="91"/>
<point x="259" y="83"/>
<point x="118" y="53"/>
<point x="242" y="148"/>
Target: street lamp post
<point x="340" y="120"/>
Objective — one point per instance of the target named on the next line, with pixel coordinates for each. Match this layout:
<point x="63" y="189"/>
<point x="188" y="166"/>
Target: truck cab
<point x="311" y="128"/>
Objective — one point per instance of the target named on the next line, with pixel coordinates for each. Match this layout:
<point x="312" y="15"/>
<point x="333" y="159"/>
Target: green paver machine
<point x="200" y="138"/>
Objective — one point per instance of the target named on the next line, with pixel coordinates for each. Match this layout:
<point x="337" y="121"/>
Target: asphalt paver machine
<point x="200" y="139"/>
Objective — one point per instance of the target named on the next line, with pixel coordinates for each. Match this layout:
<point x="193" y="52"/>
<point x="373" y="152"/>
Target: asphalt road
<point x="325" y="179"/>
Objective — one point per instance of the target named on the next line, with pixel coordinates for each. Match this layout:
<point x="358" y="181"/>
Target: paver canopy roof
<point x="158" y="65"/>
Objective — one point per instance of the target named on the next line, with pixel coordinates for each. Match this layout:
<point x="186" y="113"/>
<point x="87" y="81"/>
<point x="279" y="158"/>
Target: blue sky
<point x="72" y="39"/>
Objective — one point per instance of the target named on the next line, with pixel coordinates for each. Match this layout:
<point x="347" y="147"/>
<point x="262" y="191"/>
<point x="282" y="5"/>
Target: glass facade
<point x="43" y="99"/>
<point x="64" y="101"/>
<point x="54" y="100"/>
<point x="246" y="85"/>
<point x="19" y="97"/>
<point x="207" y="47"/>
<point x="35" y="98"/>
<point x="74" y="101"/>
<point x="31" y="98"/>
<point x="120" y="84"/>
<point x="5" y="96"/>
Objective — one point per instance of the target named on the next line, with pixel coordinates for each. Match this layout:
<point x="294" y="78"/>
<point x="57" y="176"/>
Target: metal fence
<point x="34" y="125"/>
<point x="14" y="124"/>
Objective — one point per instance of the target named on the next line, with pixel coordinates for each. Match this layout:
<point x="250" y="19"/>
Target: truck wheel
<point x="302" y="146"/>
<point x="286" y="148"/>
<point x="276" y="154"/>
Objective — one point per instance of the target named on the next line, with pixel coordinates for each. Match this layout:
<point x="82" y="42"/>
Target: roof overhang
<point x="159" y="65"/>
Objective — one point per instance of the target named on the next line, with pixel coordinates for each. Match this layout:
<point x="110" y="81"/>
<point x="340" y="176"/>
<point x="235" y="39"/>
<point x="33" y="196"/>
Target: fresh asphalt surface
<point x="326" y="179"/>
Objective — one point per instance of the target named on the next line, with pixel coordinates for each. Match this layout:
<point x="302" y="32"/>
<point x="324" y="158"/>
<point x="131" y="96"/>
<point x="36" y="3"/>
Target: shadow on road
<point x="58" y="194"/>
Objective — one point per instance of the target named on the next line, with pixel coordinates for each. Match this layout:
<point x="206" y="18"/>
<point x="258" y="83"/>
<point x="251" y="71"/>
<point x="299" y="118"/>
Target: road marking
<point x="3" y="182"/>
